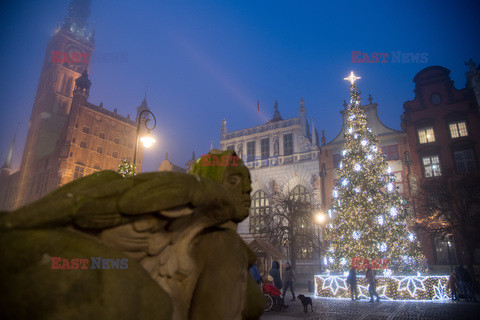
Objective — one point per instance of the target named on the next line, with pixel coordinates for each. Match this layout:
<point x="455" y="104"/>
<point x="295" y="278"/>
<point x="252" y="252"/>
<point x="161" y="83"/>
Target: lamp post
<point x="320" y="219"/>
<point x="147" y="140"/>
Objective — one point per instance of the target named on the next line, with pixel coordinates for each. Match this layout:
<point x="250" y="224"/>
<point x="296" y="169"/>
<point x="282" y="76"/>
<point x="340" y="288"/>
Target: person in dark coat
<point x="465" y="284"/>
<point x="288" y="278"/>
<point x="372" y="284"/>
<point x="255" y="274"/>
<point x="275" y="273"/>
<point x="352" y="281"/>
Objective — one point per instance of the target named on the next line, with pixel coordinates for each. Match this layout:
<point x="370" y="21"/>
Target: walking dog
<point x="305" y="301"/>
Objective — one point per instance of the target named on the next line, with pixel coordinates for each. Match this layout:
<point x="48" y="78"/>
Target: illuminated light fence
<point x="418" y="288"/>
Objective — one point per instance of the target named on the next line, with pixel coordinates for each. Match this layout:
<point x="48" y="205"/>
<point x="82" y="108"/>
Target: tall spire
<point x="8" y="162"/>
<point x="78" y="13"/>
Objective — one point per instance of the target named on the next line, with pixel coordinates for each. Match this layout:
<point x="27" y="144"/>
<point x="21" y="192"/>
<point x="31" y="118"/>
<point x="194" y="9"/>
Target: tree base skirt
<point x="393" y="288"/>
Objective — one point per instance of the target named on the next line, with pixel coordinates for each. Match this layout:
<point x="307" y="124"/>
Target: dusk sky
<point x="202" y="61"/>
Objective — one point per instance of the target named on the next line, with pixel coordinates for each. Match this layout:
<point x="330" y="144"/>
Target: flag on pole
<point x="258" y="106"/>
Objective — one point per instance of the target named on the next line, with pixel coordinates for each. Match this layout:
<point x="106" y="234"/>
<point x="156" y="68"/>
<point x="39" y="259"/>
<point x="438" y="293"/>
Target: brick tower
<point x="67" y="56"/>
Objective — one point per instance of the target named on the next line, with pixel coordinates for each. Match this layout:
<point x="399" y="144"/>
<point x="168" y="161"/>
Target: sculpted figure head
<point x="227" y="168"/>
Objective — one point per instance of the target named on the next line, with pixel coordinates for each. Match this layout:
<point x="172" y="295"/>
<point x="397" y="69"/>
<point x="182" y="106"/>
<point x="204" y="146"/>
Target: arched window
<point x="258" y="210"/>
<point x="300" y="192"/>
<point x="304" y="224"/>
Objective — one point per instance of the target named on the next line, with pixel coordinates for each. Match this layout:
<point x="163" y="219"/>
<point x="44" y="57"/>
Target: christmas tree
<point x="368" y="226"/>
<point x="127" y="169"/>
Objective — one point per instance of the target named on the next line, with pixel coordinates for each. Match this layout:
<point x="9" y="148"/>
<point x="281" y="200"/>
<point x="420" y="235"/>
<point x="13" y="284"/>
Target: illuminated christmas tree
<point x="368" y="224"/>
<point x="127" y="169"/>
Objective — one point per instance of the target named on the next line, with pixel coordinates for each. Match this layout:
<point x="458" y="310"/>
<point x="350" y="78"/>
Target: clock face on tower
<point x="75" y="59"/>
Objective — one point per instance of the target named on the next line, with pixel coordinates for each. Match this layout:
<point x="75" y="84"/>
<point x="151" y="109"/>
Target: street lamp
<point x="320" y="219"/>
<point x="147" y="140"/>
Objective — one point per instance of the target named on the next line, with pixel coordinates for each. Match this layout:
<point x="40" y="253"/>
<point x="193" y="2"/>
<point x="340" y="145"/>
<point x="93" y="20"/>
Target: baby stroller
<point x="273" y="298"/>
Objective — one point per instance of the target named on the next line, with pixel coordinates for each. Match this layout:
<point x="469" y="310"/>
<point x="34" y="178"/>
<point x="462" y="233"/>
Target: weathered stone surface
<point x="178" y="232"/>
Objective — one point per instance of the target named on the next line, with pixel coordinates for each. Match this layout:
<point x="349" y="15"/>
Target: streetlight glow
<point x="320" y="217"/>
<point x="147" y="140"/>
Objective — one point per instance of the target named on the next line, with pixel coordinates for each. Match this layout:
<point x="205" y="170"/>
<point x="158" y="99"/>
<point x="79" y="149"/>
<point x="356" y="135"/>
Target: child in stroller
<point x="273" y="296"/>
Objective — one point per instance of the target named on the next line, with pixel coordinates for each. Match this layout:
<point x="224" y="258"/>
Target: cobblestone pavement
<point x="349" y="310"/>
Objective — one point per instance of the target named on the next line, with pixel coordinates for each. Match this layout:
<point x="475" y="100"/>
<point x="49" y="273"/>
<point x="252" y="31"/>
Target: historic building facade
<point x="443" y="128"/>
<point x="282" y="156"/>
<point x="68" y="137"/>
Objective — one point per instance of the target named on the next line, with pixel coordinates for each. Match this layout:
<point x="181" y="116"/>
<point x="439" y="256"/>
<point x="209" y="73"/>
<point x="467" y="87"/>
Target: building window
<point x="337" y="158"/>
<point x="86" y="130"/>
<point x="251" y="151"/>
<point x="258" y="211"/>
<point x="287" y="144"/>
<point x="73" y="140"/>
<point x="116" y="140"/>
<point x="445" y="252"/>
<point x="76" y="125"/>
<point x="265" y="146"/>
<point x="464" y="161"/>
<point x="426" y="135"/>
<point x="458" y="129"/>
<point x="130" y="145"/>
<point x="115" y="155"/>
<point x="391" y="152"/>
<point x="83" y="145"/>
<point x="100" y="150"/>
<point x="304" y="224"/>
<point x="78" y="173"/>
<point x="102" y="135"/>
<point x="231" y="147"/>
<point x="431" y="166"/>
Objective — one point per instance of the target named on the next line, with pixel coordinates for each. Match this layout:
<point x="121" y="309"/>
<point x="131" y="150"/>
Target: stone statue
<point x="176" y="232"/>
<point x="275" y="147"/>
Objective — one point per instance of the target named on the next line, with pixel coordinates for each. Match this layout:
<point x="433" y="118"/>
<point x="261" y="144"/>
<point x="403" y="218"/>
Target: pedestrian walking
<point x="255" y="274"/>
<point x="452" y="285"/>
<point x="288" y="278"/>
<point x="352" y="281"/>
<point x="465" y="284"/>
<point x="372" y="284"/>
<point x="275" y="273"/>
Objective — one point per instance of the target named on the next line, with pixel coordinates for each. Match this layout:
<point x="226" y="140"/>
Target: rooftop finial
<point x="370" y="99"/>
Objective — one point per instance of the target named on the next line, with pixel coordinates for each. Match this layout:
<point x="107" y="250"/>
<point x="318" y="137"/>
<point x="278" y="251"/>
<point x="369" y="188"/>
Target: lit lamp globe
<point x="320" y="218"/>
<point x="147" y="140"/>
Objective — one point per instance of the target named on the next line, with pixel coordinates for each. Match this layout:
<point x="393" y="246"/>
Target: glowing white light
<point x="387" y="272"/>
<point x="390" y="187"/>
<point x="344" y="152"/>
<point x="374" y="148"/>
<point x="345" y="273"/>
<point x="331" y="250"/>
<point x="382" y="246"/>
<point x="356" y="235"/>
<point x="350" y="130"/>
<point x="357" y="167"/>
<point x="147" y="141"/>
<point x="364" y="142"/>
<point x="335" y="193"/>
<point x="325" y="261"/>
<point x="355" y="136"/>
<point x="357" y="190"/>
<point x="369" y="157"/>
<point x="329" y="213"/>
<point x="343" y="261"/>
<point x="370" y="199"/>
<point x="341" y="165"/>
<point x="345" y="182"/>
<point x="334" y="283"/>
<point x="380" y="220"/>
<point x="393" y="211"/>
<point x="389" y="170"/>
<point x="331" y="260"/>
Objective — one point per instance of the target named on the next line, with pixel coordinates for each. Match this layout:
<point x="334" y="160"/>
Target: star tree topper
<point x="352" y="78"/>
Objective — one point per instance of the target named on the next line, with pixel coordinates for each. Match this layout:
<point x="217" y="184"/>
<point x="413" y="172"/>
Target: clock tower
<point x="68" y="54"/>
